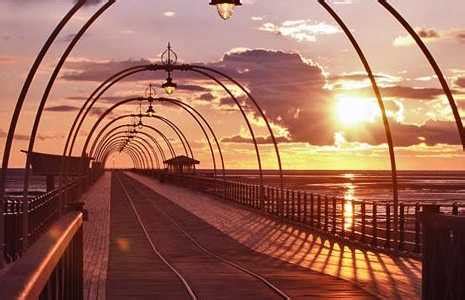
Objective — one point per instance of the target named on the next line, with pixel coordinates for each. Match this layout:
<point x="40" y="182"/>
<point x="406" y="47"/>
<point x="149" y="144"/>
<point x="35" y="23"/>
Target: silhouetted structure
<point x="181" y="164"/>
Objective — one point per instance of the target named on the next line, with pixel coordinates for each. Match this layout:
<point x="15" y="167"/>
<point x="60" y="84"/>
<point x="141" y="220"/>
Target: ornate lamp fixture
<point x="226" y="7"/>
<point x="169" y="58"/>
<point x="140" y="125"/>
<point x="149" y="94"/>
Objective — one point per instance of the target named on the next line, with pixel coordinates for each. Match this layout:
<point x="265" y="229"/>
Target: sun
<point x="351" y="111"/>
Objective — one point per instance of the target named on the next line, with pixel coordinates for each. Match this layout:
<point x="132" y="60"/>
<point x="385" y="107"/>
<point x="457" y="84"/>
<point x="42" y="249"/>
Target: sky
<point x="290" y="55"/>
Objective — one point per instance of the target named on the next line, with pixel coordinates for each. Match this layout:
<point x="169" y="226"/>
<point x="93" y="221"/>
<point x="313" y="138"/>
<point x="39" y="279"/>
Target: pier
<point x="145" y="200"/>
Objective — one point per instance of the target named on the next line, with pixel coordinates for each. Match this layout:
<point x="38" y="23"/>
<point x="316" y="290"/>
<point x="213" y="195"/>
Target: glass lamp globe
<point x="169" y="86"/>
<point x="226" y="7"/>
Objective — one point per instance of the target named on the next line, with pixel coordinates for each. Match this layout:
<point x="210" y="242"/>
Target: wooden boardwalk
<point x="388" y="277"/>
<point x="136" y="272"/>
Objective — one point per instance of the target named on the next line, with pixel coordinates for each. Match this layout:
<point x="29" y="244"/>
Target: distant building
<point x="181" y="164"/>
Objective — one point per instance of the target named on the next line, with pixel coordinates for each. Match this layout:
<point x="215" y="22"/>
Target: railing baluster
<point x="388" y="226"/>
<point x="305" y="220"/>
<point x="401" y="226"/>
<point x="299" y="207"/>
<point x="417" y="228"/>
<point x="312" y="204"/>
<point x="334" y="216"/>
<point x="326" y="213"/>
<point x="318" y="211"/>
<point x="364" y="220"/>
<point x="375" y="225"/>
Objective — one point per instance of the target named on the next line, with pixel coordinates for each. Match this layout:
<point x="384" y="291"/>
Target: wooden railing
<point x="52" y="267"/>
<point x="443" y="256"/>
<point x="43" y="210"/>
<point x="367" y="223"/>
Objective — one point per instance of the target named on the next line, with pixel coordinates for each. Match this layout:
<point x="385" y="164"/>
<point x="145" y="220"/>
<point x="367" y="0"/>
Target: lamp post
<point x="226" y="7"/>
<point x="169" y="58"/>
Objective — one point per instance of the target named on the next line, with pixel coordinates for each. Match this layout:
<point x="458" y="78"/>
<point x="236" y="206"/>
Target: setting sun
<point x="352" y="111"/>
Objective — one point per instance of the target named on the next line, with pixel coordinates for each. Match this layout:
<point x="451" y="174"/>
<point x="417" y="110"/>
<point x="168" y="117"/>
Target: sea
<point x="414" y="186"/>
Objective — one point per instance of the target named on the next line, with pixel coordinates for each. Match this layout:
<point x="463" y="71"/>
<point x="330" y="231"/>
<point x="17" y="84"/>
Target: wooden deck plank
<point x="210" y="278"/>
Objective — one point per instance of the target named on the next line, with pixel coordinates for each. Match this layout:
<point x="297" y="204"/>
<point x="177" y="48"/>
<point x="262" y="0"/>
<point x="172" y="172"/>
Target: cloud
<point x="6" y="60"/>
<point x="292" y="90"/>
<point x="62" y="108"/>
<point x="300" y="30"/>
<point x="238" y="139"/>
<point x="430" y="35"/>
<point x="460" y="82"/>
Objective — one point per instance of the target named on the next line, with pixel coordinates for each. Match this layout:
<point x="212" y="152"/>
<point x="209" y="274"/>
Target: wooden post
<point x="364" y="221"/>
<point x="401" y="227"/>
<point x="375" y="225"/>
<point x="326" y="213"/>
<point x="417" y="228"/>
<point x="334" y="216"/>
<point x="388" y="226"/>
<point x="318" y="211"/>
<point x="50" y="182"/>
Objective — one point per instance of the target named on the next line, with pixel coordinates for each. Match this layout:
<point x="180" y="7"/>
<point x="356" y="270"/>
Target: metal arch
<point x="99" y="94"/>
<point x="120" y="118"/>
<point x="432" y="61"/>
<point x="142" y="68"/>
<point x="115" y="132"/>
<point x="77" y="122"/>
<point x="376" y="90"/>
<point x="262" y="113"/>
<point x="136" y="143"/>
<point x="257" y="151"/>
<point x="96" y="141"/>
<point x="125" y="151"/>
<point x="134" y="151"/>
<point x="116" y="105"/>
<point x="48" y="89"/>
<point x="186" y="107"/>
<point x="122" y="142"/>
<point x="136" y="138"/>
<point x="18" y="108"/>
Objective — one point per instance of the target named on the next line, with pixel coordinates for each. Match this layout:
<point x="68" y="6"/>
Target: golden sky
<point x="290" y="55"/>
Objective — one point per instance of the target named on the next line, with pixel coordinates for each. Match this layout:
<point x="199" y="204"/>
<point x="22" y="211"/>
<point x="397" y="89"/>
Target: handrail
<point x="28" y="277"/>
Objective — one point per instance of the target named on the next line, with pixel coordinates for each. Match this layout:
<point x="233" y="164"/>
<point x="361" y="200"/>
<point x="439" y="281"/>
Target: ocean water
<point x="429" y="186"/>
<point x="15" y="183"/>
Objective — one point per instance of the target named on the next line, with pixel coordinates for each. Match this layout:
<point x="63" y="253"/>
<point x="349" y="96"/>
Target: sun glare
<point x="352" y="111"/>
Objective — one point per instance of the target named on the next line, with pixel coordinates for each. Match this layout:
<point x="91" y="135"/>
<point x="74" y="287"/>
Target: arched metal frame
<point x="125" y="149"/>
<point x="71" y="13"/>
<point x="136" y="141"/>
<point x="122" y="141"/>
<point x="143" y="139"/>
<point x="134" y="70"/>
<point x="160" y="149"/>
<point x="133" y="151"/>
<point x="115" y="132"/>
<point x="185" y="107"/>
<point x="173" y="126"/>
<point x="155" y="130"/>
<point x="429" y="56"/>
<point x="379" y="98"/>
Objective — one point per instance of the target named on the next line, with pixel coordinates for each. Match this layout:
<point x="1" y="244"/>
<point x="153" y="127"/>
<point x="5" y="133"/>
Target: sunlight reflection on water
<point x="349" y="197"/>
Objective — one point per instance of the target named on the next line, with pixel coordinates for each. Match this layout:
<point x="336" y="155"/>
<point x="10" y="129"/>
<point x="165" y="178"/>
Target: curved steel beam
<point x="125" y="151"/>
<point x="137" y="143"/>
<point x="124" y="142"/>
<point x="171" y="124"/>
<point x="429" y="56"/>
<point x="135" y="153"/>
<point x="98" y="139"/>
<point x="48" y="89"/>
<point x="102" y="88"/>
<point x="17" y="111"/>
<point x="115" y="132"/>
<point x="257" y="107"/>
<point x="376" y="90"/>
